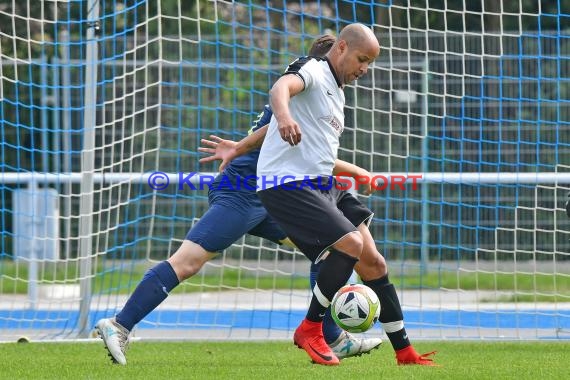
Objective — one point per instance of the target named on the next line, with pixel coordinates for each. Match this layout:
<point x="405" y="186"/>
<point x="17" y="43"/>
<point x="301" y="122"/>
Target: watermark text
<point x="160" y="181"/>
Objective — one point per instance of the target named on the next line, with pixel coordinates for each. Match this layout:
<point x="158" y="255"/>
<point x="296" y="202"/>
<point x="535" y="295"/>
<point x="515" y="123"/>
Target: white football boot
<point x="348" y="345"/>
<point x="115" y="337"/>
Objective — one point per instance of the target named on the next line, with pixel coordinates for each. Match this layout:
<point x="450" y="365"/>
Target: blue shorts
<point x="229" y="218"/>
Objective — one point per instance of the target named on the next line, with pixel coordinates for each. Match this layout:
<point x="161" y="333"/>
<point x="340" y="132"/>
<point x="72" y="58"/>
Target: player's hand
<point x="219" y="149"/>
<point x="366" y="188"/>
<point x="289" y="131"/>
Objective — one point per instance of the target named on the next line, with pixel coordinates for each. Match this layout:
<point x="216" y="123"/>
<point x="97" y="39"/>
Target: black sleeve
<point x="295" y="66"/>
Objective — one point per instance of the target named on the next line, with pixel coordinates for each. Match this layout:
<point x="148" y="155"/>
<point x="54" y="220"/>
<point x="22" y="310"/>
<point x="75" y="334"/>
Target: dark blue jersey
<point x="240" y="174"/>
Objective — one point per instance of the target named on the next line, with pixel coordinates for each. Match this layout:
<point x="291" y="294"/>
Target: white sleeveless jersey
<point x="319" y="111"/>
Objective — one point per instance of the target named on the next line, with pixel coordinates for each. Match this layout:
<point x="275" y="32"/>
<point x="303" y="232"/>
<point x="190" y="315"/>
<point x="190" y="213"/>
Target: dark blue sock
<point x="149" y="293"/>
<point x="331" y="331"/>
<point x="314" y="273"/>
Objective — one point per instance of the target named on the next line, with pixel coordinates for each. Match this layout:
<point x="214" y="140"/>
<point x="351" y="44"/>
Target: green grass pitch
<point x="280" y="360"/>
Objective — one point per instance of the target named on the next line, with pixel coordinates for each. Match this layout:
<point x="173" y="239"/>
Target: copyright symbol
<point x="158" y="181"/>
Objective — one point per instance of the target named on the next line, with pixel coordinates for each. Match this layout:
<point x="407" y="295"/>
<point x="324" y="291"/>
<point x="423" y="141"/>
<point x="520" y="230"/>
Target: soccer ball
<point x="355" y="308"/>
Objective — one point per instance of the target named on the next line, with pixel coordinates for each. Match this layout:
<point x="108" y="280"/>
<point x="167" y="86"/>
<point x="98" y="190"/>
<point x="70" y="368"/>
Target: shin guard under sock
<point x="334" y="272"/>
<point x="391" y="315"/>
<point x="149" y="293"/>
<point x="331" y="331"/>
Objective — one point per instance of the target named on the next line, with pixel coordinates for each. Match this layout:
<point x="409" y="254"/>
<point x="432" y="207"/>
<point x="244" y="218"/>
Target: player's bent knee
<point x="371" y="266"/>
<point x="189" y="259"/>
<point x="351" y="244"/>
<point x="374" y="260"/>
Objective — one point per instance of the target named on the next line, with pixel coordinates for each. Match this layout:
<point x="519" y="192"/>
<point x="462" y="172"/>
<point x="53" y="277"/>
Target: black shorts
<point x="314" y="218"/>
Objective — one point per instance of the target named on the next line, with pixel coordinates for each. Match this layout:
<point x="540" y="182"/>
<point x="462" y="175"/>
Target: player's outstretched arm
<point x="346" y="169"/>
<point x="227" y="150"/>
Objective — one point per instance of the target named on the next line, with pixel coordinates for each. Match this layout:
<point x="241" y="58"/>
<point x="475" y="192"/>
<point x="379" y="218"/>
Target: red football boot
<point x="409" y="356"/>
<point x="309" y="337"/>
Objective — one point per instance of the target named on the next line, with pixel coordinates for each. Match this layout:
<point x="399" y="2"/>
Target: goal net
<point x="98" y="96"/>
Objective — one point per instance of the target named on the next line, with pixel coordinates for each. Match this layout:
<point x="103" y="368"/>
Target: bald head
<point x="353" y="51"/>
<point x="358" y="34"/>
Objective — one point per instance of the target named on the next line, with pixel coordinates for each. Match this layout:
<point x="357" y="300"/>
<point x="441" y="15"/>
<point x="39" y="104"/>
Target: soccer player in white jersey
<point x="296" y="185"/>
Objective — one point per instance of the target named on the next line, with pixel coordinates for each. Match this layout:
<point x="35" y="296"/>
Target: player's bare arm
<point x="282" y="91"/>
<point x="351" y="170"/>
<point x="227" y="150"/>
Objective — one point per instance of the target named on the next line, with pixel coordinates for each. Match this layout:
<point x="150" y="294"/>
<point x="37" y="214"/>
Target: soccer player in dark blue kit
<point x="234" y="211"/>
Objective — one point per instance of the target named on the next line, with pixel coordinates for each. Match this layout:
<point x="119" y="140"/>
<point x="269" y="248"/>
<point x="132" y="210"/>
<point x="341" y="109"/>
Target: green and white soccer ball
<point x="355" y="308"/>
